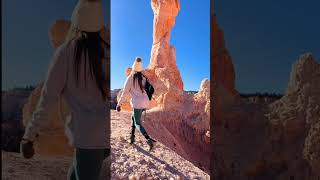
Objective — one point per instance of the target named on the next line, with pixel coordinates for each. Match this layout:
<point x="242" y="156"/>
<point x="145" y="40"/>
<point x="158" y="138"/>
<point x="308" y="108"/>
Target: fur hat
<point x="137" y="65"/>
<point x="87" y="16"/>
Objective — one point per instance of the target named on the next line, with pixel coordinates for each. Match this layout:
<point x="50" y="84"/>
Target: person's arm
<point x="125" y="91"/>
<point x="51" y="90"/>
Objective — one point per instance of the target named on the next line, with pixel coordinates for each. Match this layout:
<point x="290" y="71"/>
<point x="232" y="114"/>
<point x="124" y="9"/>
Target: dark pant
<point x="136" y="121"/>
<point x="87" y="164"/>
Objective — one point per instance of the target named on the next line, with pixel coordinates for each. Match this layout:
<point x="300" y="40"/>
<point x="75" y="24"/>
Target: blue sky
<point x="26" y="50"/>
<point x="265" y="37"/>
<point x="131" y="36"/>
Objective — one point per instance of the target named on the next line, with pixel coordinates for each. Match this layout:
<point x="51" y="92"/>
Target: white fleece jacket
<point x="89" y="124"/>
<point x="139" y="98"/>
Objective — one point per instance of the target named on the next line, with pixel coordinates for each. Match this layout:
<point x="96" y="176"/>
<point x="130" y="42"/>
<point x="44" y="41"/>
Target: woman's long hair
<point x="93" y="47"/>
<point x="137" y="76"/>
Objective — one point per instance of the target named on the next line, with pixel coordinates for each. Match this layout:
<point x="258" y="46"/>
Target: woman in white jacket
<point x="78" y="75"/>
<point x="134" y="86"/>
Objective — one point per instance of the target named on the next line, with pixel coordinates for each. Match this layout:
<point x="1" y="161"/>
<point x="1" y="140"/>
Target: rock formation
<point x="162" y="70"/>
<point x="58" y="32"/>
<point x="269" y="141"/>
<point x="223" y="69"/>
<point x="177" y="119"/>
<point x="295" y="119"/>
<point x="113" y="98"/>
<point x="54" y="141"/>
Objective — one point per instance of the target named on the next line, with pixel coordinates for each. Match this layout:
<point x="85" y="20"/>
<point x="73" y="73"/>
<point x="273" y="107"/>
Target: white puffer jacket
<point x="139" y="98"/>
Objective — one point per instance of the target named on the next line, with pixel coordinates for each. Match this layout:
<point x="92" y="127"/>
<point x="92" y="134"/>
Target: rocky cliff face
<point x="163" y="70"/>
<point x="222" y="66"/>
<point x="295" y="119"/>
<point x="270" y="141"/>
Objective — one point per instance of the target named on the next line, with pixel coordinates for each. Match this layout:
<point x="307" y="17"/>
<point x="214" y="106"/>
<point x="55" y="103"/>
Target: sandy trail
<point x="136" y="160"/>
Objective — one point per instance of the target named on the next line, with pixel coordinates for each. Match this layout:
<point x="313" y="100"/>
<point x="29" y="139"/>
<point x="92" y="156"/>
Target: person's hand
<point x="118" y="108"/>
<point x="26" y="148"/>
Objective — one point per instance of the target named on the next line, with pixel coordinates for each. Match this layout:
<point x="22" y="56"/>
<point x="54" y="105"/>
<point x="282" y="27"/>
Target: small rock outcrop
<point x="58" y="32"/>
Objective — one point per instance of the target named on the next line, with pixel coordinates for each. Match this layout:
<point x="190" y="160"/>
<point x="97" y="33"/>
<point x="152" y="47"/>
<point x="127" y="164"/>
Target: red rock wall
<point x="222" y="66"/>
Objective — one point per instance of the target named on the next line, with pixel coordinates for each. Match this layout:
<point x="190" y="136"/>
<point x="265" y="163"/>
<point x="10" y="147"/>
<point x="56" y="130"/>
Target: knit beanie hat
<point x="137" y="65"/>
<point x="87" y="16"/>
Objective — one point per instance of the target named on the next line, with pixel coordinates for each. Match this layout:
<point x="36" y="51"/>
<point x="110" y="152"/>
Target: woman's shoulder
<point x="65" y="50"/>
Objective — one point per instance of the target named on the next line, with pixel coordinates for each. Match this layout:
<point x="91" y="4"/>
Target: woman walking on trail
<point x="135" y="86"/>
<point x="78" y="75"/>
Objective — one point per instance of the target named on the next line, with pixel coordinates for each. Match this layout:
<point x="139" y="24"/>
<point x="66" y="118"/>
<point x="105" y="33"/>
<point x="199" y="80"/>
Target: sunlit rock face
<point x="52" y="140"/>
<point x="163" y="70"/>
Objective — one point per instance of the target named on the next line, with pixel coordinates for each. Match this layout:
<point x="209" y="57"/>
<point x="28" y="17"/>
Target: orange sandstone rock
<point x="58" y="32"/>
<point x="223" y="69"/>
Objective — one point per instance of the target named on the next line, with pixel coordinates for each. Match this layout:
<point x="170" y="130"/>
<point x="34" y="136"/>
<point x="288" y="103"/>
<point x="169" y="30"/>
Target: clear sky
<point x="131" y="36"/>
<point x="265" y="37"/>
<point x="26" y="50"/>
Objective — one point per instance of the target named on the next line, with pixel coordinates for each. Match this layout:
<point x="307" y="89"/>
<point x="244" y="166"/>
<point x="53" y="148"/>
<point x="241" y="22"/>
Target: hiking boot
<point x="132" y="139"/>
<point x="150" y="143"/>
